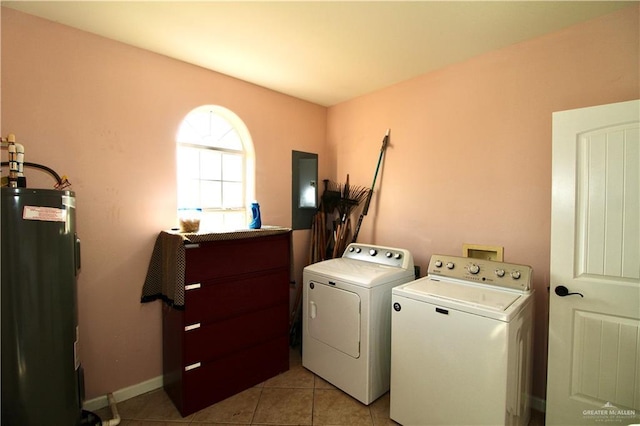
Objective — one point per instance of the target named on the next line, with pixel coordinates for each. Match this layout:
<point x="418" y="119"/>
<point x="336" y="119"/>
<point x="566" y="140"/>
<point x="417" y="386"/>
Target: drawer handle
<point x="192" y="286"/>
<point x="192" y="366"/>
<point x="192" y="326"/>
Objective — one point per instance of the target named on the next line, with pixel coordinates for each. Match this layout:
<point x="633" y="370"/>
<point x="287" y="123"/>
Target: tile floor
<point x="296" y="397"/>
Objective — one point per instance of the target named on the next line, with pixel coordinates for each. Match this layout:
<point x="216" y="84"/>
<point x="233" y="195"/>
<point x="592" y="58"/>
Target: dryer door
<point x="334" y="317"/>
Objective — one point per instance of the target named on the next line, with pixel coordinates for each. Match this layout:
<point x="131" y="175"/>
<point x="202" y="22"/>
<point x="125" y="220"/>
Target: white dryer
<point x="461" y="344"/>
<point x="347" y="317"/>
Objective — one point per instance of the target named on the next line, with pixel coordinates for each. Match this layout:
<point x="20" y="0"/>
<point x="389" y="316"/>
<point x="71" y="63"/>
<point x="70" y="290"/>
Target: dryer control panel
<point x="391" y="256"/>
<point x="487" y="272"/>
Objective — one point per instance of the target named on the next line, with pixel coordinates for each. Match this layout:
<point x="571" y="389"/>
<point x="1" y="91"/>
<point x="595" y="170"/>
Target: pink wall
<point x="106" y="115"/>
<point x="470" y="153"/>
<point x="469" y="159"/>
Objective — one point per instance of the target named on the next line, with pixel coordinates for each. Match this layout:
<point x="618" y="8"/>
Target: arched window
<point x="216" y="167"/>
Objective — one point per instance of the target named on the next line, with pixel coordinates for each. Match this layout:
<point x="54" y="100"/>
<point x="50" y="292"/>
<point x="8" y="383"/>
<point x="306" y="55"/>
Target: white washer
<point x="461" y="344"/>
<point x="347" y="317"/>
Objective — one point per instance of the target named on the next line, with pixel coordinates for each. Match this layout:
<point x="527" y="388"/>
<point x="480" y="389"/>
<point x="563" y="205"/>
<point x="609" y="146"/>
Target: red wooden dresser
<point x="233" y="332"/>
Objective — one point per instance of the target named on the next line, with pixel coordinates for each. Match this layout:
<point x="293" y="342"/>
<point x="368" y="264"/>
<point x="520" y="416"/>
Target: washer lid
<point x="482" y="297"/>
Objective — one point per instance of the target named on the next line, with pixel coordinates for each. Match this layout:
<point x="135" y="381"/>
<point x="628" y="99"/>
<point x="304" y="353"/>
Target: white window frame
<point x="214" y="219"/>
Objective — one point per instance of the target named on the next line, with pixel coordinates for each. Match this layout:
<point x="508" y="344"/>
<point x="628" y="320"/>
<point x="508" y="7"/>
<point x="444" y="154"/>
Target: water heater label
<point x="49" y="214"/>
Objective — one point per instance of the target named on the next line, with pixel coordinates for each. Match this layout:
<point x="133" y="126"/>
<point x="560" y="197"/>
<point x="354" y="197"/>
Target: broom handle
<point x="365" y="210"/>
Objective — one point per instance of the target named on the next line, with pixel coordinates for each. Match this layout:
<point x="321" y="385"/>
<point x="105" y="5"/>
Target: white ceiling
<point x="325" y="52"/>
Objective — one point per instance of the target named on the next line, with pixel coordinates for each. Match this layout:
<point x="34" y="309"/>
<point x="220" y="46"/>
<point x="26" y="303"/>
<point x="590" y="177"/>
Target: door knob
<point x="562" y="291"/>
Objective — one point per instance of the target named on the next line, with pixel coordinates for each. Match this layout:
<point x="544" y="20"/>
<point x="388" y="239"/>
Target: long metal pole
<point x="365" y="210"/>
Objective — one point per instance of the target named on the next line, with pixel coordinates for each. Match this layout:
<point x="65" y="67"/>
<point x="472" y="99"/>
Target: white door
<point x="594" y="334"/>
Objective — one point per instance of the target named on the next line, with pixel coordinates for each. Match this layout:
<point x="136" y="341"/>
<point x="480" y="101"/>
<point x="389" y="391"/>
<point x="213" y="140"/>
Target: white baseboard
<point x="124" y="394"/>
<point x="538" y="404"/>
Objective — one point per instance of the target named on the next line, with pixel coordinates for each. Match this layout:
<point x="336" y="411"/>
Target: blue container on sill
<point x="256" y="221"/>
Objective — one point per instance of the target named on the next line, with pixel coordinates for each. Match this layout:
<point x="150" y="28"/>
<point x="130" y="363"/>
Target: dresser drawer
<point x="218" y="259"/>
<point x="212" y="341"/>
<point x="218" y="300"/>
<point x="215" y="381"/>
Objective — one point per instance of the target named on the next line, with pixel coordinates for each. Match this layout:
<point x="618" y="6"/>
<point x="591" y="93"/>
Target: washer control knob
<point x="388" y="254"/>
<point x="373" y="252"/>
<point x="438" y="263"/>
<point x="450" y="265"/>
<point x="358" y="249"/>
<point x="500" y="272"/>
<point x="398" y="256"/>
<point x="515" y="275"/>
<point x="474" y="269"/>
<point x="351" y="249"/>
